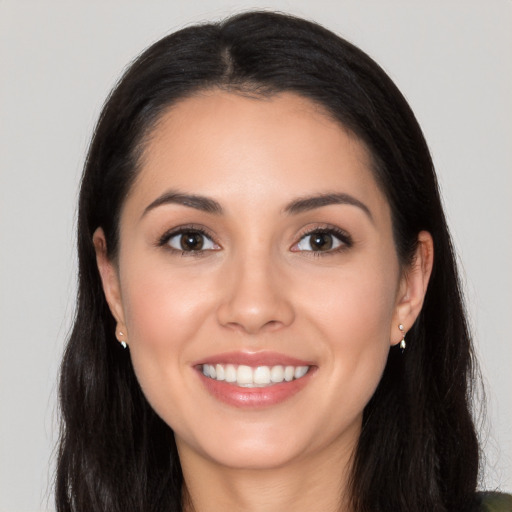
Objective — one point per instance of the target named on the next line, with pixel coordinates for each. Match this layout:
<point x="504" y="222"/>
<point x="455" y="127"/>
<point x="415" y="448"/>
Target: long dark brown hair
<point x="418" y="449"/>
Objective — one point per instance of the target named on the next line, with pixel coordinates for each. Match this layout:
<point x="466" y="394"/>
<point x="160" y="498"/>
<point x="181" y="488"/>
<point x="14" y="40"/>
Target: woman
<point x="269" y="314"/>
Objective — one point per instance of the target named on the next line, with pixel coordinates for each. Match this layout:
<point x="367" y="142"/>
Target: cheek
<point x="163" y="306"/>
<point x="354" y="308"/>
<point x="353" y="318"/>
<point x="164" y="311"/>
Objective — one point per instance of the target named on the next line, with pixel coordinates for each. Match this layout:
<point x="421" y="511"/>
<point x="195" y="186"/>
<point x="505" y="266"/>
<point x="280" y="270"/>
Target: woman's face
<point x="256" y="243"/>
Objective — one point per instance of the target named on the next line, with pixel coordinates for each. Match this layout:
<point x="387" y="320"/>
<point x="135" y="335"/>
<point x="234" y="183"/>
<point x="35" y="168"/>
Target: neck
<point x="318" y="483"/>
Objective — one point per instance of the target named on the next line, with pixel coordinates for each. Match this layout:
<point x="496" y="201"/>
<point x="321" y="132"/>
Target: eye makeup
<point x="193" y="240"/>
<point x="324" y="240"/>
<point x="196" y="240"/>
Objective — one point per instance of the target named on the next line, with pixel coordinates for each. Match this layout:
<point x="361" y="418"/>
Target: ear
<point x="109" y="280"/>
<point x="413" y="287"/>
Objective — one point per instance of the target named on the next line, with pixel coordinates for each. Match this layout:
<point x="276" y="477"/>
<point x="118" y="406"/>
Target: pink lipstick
<point x="260" y="379"/>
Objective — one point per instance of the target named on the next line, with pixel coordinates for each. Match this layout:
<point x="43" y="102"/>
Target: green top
<point x="495" y="502"/>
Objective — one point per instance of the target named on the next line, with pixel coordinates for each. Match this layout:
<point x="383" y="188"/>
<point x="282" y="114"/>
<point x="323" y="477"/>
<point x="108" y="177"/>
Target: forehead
<point x="244" y="150"/>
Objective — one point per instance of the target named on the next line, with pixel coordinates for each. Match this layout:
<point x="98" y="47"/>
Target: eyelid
<point x="186" y="228"/>
<point x="342" y="235"/>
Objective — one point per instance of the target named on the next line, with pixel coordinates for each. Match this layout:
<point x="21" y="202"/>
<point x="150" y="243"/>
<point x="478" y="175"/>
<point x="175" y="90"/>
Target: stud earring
<point x="402" y="343"/>
<point x="123" y="343"/>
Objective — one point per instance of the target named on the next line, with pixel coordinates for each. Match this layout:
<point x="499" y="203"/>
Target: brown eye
<point x="322" y="241"/>
<point x="191" y="241"/>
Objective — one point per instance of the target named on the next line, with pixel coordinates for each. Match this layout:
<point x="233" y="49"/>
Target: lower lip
<point x="254" y="397"/>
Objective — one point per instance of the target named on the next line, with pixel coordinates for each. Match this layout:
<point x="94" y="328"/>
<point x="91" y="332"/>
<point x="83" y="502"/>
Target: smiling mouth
<point x="253" y="377"/>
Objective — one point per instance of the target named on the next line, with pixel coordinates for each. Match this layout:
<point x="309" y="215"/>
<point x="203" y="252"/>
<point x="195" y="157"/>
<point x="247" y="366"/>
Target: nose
<point x="256" y="297"/>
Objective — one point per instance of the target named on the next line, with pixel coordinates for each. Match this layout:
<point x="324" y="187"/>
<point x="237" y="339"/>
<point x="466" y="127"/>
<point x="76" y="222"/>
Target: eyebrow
<point x="202" y="203"/>
<point x="297" y="206"/>
<point x="317" y="201"/>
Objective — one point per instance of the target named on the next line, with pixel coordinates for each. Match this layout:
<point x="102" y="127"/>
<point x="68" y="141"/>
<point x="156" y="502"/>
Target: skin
<point x="259" y="286"/>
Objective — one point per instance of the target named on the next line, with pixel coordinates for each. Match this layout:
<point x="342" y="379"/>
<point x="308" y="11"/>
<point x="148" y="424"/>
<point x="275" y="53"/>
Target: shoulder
<point x="495" y="502"/>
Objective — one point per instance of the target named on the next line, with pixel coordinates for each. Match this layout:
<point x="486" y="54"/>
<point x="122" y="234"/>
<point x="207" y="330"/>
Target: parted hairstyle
<point x="418" y="449"/>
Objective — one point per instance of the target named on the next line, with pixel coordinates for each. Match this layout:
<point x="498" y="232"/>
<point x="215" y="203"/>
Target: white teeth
<point x="300" y="371"/>
<point x="289" y="373"/>
<point x="219" y="369"/>
<point x="244" y="375"/>
<point x="261" y="376"/>
<point x="277" y="374"/>
<point x="230" y="373"/>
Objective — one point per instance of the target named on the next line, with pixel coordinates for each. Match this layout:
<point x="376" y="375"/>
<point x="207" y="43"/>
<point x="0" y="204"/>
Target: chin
<point x="254" y="455"/>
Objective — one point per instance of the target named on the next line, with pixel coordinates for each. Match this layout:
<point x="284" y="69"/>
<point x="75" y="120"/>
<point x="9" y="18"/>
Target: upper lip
<point x="254" y="359"/>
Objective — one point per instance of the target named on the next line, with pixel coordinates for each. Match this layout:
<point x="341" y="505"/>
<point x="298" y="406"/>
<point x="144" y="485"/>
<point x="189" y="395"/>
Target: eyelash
<point x="168" y="235"/>
<point x="343" y="237"/>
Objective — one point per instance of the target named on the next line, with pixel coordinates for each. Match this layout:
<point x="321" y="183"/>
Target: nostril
<point x="272" y="325"/>
<point x="254" y="300"/>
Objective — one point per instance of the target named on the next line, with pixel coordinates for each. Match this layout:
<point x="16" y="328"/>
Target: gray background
<point x="452" y="60"/>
